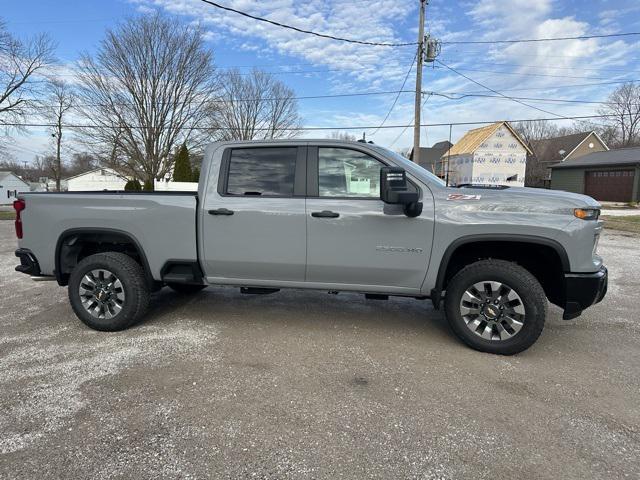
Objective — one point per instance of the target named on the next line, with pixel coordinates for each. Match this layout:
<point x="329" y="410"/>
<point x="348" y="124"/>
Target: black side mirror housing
<point x="394" y="190"/>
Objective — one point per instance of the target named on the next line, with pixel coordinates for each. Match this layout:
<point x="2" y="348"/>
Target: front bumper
<point x="583" y="290"/>
<point x="28" y="262"/>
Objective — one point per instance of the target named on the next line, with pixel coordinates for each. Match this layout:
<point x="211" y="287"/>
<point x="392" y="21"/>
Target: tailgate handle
<point x="325" y="214"/>
<point x="221" y="211"/>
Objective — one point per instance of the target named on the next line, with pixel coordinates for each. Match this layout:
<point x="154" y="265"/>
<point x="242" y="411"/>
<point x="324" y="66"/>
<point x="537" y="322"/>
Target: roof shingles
<point x="620" y="156"/>
<point x="548" y="149"/>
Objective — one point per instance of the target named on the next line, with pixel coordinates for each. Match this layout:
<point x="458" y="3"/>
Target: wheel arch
<point x="495" y="243"/>
<point x="70" y="242"/>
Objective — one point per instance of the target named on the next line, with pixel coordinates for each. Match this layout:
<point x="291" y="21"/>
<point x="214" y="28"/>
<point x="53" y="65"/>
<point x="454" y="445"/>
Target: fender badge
<point x="462" y="196"/>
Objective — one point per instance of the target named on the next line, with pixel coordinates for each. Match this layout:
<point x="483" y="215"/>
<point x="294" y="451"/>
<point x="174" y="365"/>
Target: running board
<point x="258" y="290"/>
<point x="376" y="296"/>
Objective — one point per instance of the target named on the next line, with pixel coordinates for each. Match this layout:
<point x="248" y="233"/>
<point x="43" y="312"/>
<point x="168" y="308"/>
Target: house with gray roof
<point x="430" y="156"/>
<point x="549" y="151"/>
<point x="611" y="175"/>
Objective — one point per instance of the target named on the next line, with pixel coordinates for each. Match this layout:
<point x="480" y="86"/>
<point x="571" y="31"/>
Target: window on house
<point x="262" y="171"/>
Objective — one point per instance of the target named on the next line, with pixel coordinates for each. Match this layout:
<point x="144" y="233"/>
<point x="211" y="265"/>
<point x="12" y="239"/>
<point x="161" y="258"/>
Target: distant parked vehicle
<point x="325" y="215"/>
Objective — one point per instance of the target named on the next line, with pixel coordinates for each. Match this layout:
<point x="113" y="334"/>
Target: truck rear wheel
<point x="185" y="288"/>
<point x="496" y="306"/>
<point x="108" y="291"/>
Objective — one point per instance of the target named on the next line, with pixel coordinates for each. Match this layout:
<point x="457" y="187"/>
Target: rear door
<point x="254" y="223"/>
<point x="353" y="237"/>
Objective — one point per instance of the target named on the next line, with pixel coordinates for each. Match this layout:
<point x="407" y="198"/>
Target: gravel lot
<point x="309" y="385"/>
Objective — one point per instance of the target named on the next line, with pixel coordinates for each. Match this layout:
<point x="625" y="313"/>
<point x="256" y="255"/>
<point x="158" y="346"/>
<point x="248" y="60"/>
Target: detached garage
<point x="612" y="175"/>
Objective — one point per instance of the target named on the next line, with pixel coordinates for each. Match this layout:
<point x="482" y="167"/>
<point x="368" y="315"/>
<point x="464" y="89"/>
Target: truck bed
<point x="163" y="223"/>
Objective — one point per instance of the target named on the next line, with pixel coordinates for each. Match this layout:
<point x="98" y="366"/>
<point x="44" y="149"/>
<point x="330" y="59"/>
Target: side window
<point x="262" y="171"/>
<point x="347" y="173"/>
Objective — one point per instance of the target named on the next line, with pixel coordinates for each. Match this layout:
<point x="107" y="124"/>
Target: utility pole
<point x="418" y="104"/>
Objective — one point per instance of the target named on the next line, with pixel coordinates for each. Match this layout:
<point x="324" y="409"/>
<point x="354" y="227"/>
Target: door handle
<point x="221" y="211"/>
<point x="325" y="214"/>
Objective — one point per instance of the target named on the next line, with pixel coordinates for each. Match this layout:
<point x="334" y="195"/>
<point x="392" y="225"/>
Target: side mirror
<point x="393" y="190"/>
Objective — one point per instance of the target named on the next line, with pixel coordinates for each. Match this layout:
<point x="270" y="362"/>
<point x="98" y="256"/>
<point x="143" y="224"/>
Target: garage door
<point x="609" y="185"/>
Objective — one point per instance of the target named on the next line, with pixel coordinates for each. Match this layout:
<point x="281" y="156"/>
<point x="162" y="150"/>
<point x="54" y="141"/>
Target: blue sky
<point x="316" y="66"/>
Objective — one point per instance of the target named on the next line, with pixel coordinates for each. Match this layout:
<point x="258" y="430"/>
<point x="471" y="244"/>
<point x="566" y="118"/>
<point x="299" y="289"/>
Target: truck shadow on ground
<point x="299" y="308"/>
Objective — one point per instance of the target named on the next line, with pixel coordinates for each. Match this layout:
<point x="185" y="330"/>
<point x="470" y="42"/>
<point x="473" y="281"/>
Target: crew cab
<point x="325" y="215"/>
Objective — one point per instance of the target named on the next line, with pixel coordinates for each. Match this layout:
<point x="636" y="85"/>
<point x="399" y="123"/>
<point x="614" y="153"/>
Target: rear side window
<point x="262" y="171"/>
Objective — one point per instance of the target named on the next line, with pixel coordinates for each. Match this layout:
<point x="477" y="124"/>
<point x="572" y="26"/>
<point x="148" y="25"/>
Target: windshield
<point x="405" y="161"/>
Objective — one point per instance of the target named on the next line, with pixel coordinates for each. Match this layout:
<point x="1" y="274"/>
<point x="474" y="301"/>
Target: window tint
<point x="262" y="171"/>
<point x="347" y="173"/>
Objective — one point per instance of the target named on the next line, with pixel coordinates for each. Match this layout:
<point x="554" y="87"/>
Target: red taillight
<point x="19" y="206"/>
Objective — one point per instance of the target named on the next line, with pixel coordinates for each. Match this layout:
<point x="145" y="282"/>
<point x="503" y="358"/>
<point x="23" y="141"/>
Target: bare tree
<point x="535" y="130"/>
<point x="342" y="136"/>
<point x="145" y="92"/>
<point x="55" y="108"/>
<point x="82" y="162"/>
<point x="537" y="171"/>
<point x="19" y="62"/>
<point x="255" y="106"/>
<point x="623" y="108"/>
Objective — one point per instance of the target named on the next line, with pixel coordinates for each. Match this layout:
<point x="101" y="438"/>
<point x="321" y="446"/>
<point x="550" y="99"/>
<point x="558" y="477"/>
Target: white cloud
<point x="373" y="22"/>
<point x="530" y="66"/>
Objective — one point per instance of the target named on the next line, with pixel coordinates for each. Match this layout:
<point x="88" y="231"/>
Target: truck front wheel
<point x="108" y="291"/>
<point x="496" y="306"/>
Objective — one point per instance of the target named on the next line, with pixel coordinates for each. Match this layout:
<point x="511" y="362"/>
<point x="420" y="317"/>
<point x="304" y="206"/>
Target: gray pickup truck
<point x="325" y="215"/>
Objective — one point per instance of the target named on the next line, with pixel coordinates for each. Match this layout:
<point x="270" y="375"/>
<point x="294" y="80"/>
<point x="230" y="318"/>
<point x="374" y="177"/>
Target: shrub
<point x="133" y="186"/>
<point x="182" y="169"/>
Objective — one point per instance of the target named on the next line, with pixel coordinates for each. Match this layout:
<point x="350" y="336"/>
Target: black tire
<point x="185" y="288"/>
<point x="521" y="281"/>
<point x="134" y="285"/>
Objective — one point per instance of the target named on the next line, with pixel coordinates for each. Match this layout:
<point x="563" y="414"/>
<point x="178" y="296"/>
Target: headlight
<point x="587" y="213"/>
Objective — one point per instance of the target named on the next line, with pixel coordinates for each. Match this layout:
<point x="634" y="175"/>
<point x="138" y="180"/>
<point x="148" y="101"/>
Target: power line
<point x="461" y="96"/>
<point x="497" y="92"/>
<point x="527" y="74"/>
<point x="301" y="129"/>
<point x="398" y="95"/>
<point x="448" y="95"/>
<point x="309" y="32"/>
<point x="274" y="72"/>
<point x="266" y="99"/>
<point x="533" y="40"/>
<point x="392" y="92"/>
<point x="557" y="87"/>
<point x="410" y="123"/>
<point x="553" y="67"/>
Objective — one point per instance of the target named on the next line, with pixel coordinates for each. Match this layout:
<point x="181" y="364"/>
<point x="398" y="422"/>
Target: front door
<point x="355" y="239"/>
<point x="254" y="218"/>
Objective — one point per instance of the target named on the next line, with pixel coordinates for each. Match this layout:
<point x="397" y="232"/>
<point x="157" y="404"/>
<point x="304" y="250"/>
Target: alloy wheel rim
<point x="492" y="310"/>
<point x="101" y="293"/>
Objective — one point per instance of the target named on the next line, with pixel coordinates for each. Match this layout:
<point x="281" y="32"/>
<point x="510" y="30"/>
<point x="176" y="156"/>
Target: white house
<point x="491" y="155"/>
<point x="161" y="186"/>
<point x="96" y="180"/>
<point x="10" y="186"/>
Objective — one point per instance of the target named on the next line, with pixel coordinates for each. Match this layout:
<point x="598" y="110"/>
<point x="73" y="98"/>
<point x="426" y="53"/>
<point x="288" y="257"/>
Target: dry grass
<point x="629" y="223"/>
<point x="7" y="215"/>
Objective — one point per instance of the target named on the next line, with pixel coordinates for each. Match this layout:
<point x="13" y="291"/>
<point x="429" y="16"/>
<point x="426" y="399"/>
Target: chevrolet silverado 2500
<point x="325" y="215"/>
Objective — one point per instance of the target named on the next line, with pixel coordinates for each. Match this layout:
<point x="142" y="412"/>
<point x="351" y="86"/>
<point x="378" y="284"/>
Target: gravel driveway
<point x="309" y="385"/>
